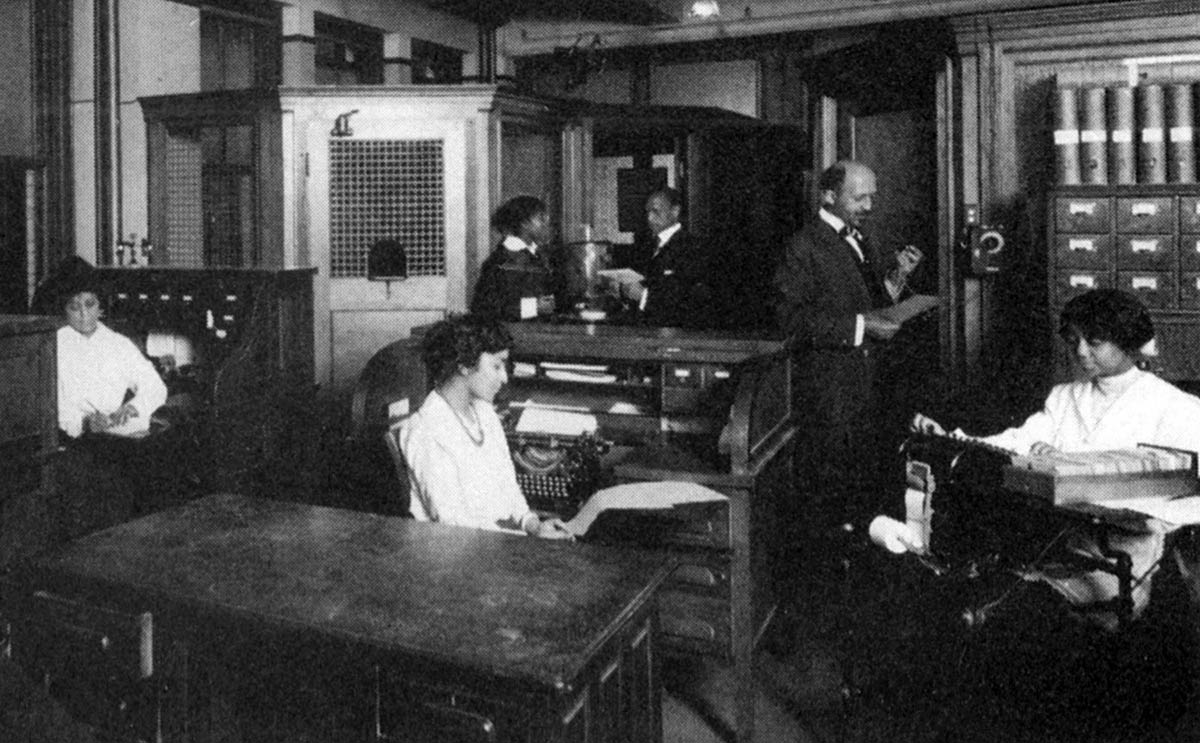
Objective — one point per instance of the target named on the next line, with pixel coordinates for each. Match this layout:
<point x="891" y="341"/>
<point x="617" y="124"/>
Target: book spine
<point x="1152" y="150"/>
<point x="1066" y="137"/>
<point x="1121" y="155"/>
<point x="1093" y="138"/>
<point x="1181" y="148"/>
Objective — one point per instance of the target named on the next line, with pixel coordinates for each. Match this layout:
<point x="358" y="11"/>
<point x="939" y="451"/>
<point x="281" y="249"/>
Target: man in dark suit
<point x="832" y="283"/>
<point x="676" y="290"/>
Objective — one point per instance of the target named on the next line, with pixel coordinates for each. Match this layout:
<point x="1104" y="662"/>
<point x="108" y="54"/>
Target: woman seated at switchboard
<point x="107" y="392"/>
<point x="516" y="281"/>
<point x="459" y="467"/>
<point x="1111" y="405"/>
<point x="105" y="384"/>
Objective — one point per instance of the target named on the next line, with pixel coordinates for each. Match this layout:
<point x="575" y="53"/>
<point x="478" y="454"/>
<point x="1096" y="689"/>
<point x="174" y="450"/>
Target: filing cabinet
<point x="1141" y="239"/>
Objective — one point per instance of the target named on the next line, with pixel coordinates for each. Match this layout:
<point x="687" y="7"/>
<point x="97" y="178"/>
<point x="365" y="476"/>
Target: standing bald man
<point x="831" y="284"/>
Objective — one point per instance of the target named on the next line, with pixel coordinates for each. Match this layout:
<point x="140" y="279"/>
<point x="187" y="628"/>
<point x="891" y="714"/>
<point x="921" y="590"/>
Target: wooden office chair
<point x="391" y="438"/>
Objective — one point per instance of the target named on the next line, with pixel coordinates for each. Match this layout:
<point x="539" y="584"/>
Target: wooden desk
<point x="399" y="630"/>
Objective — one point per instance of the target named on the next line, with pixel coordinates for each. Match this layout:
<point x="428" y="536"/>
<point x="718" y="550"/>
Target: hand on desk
<point x="1041" y="449"/>
<point x="554" y="528"/>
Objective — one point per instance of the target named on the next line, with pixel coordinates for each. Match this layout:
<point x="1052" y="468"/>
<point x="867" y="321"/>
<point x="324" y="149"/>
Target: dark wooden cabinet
<point x="1141" y="239"/>
<point x="28" y="432"/>
<point x="281" y="621"/>
<point x="249" y="378"/>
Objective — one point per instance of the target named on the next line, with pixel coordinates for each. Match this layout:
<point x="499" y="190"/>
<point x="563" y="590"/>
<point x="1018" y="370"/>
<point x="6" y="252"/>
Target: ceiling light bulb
<point x="705" y="9"/>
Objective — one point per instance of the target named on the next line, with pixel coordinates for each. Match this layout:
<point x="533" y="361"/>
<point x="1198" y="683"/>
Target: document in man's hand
<point x="620" y="276"/>
<point x="915" y="305"/>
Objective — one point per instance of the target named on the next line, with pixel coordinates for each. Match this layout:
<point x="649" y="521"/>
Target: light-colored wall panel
<point x="357" y="335"/>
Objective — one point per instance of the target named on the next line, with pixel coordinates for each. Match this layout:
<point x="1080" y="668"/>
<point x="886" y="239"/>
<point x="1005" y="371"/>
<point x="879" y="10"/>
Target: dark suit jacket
<point x="821" y="290"/>
<point x="506" y="277"/>
<point x="678" y="281"/>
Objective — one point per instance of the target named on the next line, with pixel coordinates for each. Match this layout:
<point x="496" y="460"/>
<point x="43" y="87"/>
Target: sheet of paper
<point x="558" y="422"/>
<point x="908" y="309"/>
<point x="1178" y="511"/>
<point x="640" y="496"/>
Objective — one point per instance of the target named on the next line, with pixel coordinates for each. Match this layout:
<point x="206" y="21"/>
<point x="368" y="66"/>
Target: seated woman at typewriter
<point x="1112" y="405"/>
<point x="459" y="466"/>
<point x="516" y="281"/>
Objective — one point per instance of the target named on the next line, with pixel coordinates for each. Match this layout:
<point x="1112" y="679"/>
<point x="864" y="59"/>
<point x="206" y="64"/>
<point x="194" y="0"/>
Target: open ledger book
<point x="640" y="496"/>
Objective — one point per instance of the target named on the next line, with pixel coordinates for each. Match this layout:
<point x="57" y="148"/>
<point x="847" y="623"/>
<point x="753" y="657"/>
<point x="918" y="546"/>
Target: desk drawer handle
<point x="697" y="575"/>
<point x="692" y="629"/>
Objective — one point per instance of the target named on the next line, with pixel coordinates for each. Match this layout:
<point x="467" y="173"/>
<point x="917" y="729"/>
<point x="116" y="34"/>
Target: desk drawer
<point x="708" y="578"/>
<point x="409" y="712"/>
<point x="695" y="624"/>
<point x="697" y="525"/>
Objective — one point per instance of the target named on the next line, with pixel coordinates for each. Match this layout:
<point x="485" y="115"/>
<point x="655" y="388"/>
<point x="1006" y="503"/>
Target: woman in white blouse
<point x="459" y="466"/>
<point x="1112" y="404"/>
<point x="105" y="384"/>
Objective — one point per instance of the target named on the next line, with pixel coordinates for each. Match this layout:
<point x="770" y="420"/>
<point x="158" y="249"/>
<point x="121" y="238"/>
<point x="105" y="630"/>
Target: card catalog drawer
<point x="1146" y="215"/>
<point x="1156" y="289"/>
<point x="1189" y="290"/>
<point x="1189" y="214"/>
<point x="1189" y="252"/>
<point x="1082" y="214"/>
<point x="1070" y="283"/>
<point x="1084" y="251"/>
<point x="1148" y="252"/>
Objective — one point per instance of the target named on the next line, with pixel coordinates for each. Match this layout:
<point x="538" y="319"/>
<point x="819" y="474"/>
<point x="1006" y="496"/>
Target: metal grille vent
<point x="386" y="189"/>
<point x="184" y="241"/>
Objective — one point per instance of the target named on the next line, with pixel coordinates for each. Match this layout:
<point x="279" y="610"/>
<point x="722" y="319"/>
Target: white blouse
<point x="94" y="374"/>
<point x="455" y="479"/>
<point x="1111" y="413"/>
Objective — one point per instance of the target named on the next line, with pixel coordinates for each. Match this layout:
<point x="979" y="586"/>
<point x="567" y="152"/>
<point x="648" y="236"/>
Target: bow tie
<point x="848" y="231"/>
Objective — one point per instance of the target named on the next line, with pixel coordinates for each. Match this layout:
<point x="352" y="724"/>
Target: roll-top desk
<point x="708" y="407"/>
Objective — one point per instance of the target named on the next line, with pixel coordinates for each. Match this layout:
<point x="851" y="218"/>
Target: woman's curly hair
<point x="1108" y="315"/>
<point x="509" y="216"/>
<point x="459" y="340"/>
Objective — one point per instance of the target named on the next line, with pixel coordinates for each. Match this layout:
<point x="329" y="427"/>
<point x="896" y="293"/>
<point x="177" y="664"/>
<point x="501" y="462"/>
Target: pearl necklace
<point x="467" y="428"/>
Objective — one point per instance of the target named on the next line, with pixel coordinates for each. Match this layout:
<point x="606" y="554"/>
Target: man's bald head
<point x="848" y="190"/>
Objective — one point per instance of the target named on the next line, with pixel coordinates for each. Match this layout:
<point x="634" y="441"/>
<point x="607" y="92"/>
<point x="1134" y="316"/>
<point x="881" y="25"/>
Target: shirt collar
<point x="1118" y="383"/>
<point x="831" y="219"/>
<point x="668" y="233"/>
<point x="516" y="244"/>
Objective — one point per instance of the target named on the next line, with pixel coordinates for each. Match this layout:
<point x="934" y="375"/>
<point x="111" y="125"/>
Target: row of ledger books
<point x="1125" y="135"/>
